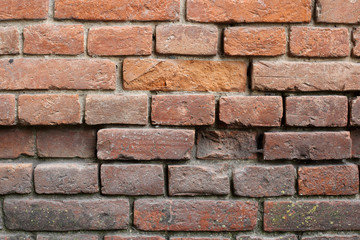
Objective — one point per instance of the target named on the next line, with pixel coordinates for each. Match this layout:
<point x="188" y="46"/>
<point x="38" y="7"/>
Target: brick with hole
<point x="282" y="237"/>
<point x="23" y="10"/>
<point x="337" y="11"/>
<point x="7" y="109"/>
<point x="16" y="178"/>
<point x="16" y="142"/>
<point x="135" y="237"/>
<point x="9" y="40"/>
<point x="68" y="237"/>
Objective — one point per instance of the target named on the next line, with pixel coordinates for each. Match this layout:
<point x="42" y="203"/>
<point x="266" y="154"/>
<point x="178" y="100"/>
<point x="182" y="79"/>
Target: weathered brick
<point x="145" y="144"/>
<point x="264" y="181"/>
<point x="285" y="237"/>
<point x="356" y="40"/>
<point x="132" y="179"/>
<point x="183" y="110"/>
<point x="319" y="111"/>
<point x="318" y="215"/>
<point x="17" y="74"/>
<point x="226" y="145"/>
<point x="198" y="180"/>
<point x="49" y="109"/>
<point x="54" y="39"/>
<point x="328" y="180"/>
<point x="66" y="142"/>
<point x="116" y="109"/>
<point x="186" y="39"/>
<point x="305" y="76"/>
<point x="7" y="109"/>
<point x="355" y="112"/>
<point x="114" y="10"/>
<point x="250" y="41"/>
<point x="184" y="75"/>
<point x="65" y="215"/>
<point x="16" y="178"/>
<point x="355" y="139"/>
<point x="251" y="11"/>
<point x="338" y="11"/>
<point x="68" y="237"/>
<point x="113" y="41"/>
<point x="19" y="9"/>
<point x="319" y="42"/>
<point x="333" y="237"/>
<point x="9" y="40"/>
<point x="194" y="215"/>
<point x="15" y="237"/>
<point x="66" y="178"/>
<point x="245" y="111"/>
<point x="113" y="237"/>
<point x="15" y="142"/>
<point x="307" y="145"/>
<point x="198" y="238"/>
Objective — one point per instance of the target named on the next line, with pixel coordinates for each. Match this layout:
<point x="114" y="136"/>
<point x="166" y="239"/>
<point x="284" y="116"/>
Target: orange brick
<point x="9" y="40"/>
<point x="21" y="9"/>
<point x="338" y="11"/>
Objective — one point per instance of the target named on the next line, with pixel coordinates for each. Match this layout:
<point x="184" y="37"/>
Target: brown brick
<point x="68" y="237"/>
<point x="197" y="238"/>
<point x="184" y="75"/>
<point x="9" y="40"/>
<point x="113" y="41"/>
<point x="145" y="144"/>
<point x="114" y="10"/>
<point x="318" y="215"/>
<point x="256" y="41"/>
<point x="356" y="40"/>
<point x="355" y="139"/>
<point x="226" y="145"/>
<point x="198" y="180"/>
<point x="66" y="142"/>
<point x="15" y="237"/>
<point x="132" y="179"/>
<point x="7" y="109"/>
<point x="305" y="76"/>
<point x="355" y="112"/>
<point x="20" y="9"/>
<point x="194" y="215"/>
<point x="186" y="39"/>
<point x="54" y="39"/>
<point x="245" y="111"/>
<point x="183" y="110"/>
<point x="116" y="109"/>
<point x="66" y="215"/>
<point x="113" y="237"/>
<point x="66" y="178"/>
<point x="15" y="142"/>
<point x="285" y="237"/>
<point x="319" y="42"/>
<point x="329" y="180"/>
<point x="16" y="178"/>
<point x="251" y="11"/>
<point x="264" y="181"/>
<point x="318" y="111"/>
<point x="333" y="237"/>
<point x="338" y="11"/>
<point x="49" y="109"/>
<point x="307" y="145"/>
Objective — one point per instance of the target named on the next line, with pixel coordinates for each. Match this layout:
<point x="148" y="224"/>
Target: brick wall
<point x="179" y="119"/>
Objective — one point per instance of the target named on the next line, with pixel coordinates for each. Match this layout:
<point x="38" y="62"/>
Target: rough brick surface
<point x="68" y="237"/>
<point x="355" y="112"/>
<point x="133" y="179"/>
<point x="284" y="237"/>
<point x="15" y="237"/>
<point x="338" y="11"/>
<point x="333" y="237"/>
<point x="183" y="110"/>
<point x="356" y="40"/>
<point x="355" y="139"/>
<point x="194" y="215"/>
<point x="15" y="142"/>
<point x="19" y="9"/>
<point x="198" y="238"/>
<point x="184" y="75"/>
<point x="9" y="40"/>
<point x="7" y="109"/>
<point x="114" y="237"/>
<point x="16" y="178"/>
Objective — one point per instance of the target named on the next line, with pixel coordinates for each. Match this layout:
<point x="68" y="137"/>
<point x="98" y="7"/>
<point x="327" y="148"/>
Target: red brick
<point x="15" y="237"/>
<point x="68" y="237"/>
<point x="338" y="11"/>
<point x="197" y="238"/>
<point x="49" y="109"/>
<point x="132" y="179"/>
<point x="198" y="180"/>
<point x="184" y="75"/>
<point x="54" y="39"/>
<point x="15" y="142"/>
<point x="321" y="215"/>
<point x="245" y="111"/>
<point x="264" y="181"/>
<point x="355" y="112"/>
<point x="285" y="237"/>
<point x="257" y="41"/>
<point x="226" y="145"/>
<point x="305" y="76"/>
<point x="194" y="215"/>
<point x="7" y="109"/>
<point x="116" y="109"/>
<point x="66" y="142"/>
<point x="113" y="237"/>
<point x="66" y="215"/>
<point x="319" y="42"/>
<point x="333" y="237"/>
<point x="18" y="74"/>
<point x="15" y="178"/>
<point x="356" y="40"/>
<point x="66" y="178"/>
<point x="9" y="40"/>
<point x="114" y="10"/>
<point x="355" y="139"/>
<point x="183" y="110"/>
<point x="186" y="39"/>
<point x="318" y="111"/>
<point x="113" y="41"/>
<point x="328" y="180"/>
<point x="20" y="9"/>
<point x="251" y="11"/>
<point x="307" y="145"/>
<point x="144" y="144"/>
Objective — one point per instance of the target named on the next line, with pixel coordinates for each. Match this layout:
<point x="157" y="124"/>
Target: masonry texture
<point x="179" y="119"/>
